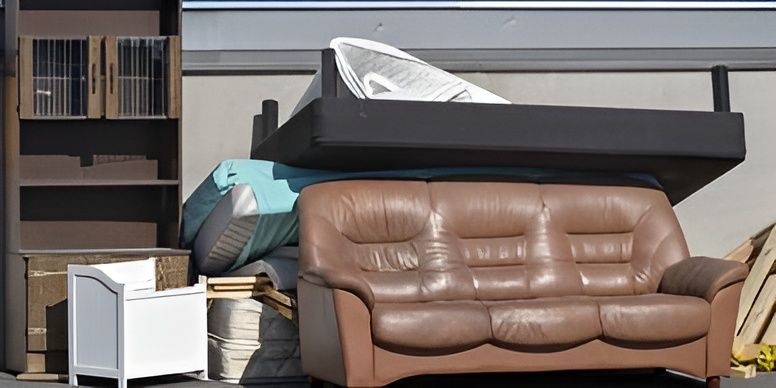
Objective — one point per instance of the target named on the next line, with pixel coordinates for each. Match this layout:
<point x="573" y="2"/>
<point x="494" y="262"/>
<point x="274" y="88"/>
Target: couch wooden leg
<point x="318" y="383"/>
<point x="660" y="371"/>
<point x="713" y="382"/>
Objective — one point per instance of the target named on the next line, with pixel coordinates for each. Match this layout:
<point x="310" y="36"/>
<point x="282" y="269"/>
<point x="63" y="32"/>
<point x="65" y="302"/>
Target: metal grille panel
<point x="59" y="77"/>
<point x="142" y="77"/>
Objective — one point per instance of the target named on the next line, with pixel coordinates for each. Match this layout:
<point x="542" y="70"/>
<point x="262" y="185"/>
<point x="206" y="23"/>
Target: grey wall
<point x="719" y="217"/>
<point x="218" y="110"/>
<point x="495" y="29"/>
<point x="218" y="116"/>
<point x="244" y="40"/>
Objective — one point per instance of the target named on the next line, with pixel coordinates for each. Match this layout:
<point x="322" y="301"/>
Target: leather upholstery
<point x="430" y="328"/>
<point x="724" y="309"/>
<point x="400" y="241"/>
<point x="447" y="268"/>
<point x="544" y="324"/>
<point x="646" y="320"/>
<point x="346" y="318"/>
<point x="702" y="277"/>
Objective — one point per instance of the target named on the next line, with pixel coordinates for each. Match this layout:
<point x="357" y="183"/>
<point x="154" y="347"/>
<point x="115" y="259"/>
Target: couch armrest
<point x="340" y="280"/>
<point x="702" y="277"/>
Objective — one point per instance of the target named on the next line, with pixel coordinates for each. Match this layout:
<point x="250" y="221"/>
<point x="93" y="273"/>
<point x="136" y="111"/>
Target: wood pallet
<point x="48" y="377"/>
<point x="258" y="287"/>
<point x="755" y="323"/>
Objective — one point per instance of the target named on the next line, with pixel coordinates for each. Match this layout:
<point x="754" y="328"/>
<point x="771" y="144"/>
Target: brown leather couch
<point x="400" y="278"/>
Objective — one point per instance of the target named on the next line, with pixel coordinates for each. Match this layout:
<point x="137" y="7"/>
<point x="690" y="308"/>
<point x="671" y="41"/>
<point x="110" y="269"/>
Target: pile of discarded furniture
<point x="443" y="230"/>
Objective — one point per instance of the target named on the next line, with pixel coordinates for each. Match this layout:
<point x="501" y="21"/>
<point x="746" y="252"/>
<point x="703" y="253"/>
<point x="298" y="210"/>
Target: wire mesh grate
<point x="59" y="78"/>
<point x="142" y="77"/>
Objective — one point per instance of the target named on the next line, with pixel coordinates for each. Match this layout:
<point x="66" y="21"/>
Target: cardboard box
<point x="46" y="276"/>
<point x="87" y="234"/>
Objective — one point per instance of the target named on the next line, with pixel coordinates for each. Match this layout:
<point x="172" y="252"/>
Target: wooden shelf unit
<point x="95" y="200"/>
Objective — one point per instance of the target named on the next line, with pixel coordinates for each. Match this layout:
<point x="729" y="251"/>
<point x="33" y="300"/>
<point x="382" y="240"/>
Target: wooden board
<point x="746" y="353"/>
<point x="742" y="253"/>
<point x="743" y="371"/>
<point x="287" y="311"/>
<point x="87" y="234"/>
<point x="230" y="294"/>
<point x="763" y="265"/>
<point x="11" y="156"/>
<point x="94" y="79"/>
<point x="111" y="78"/>
<point x="236" y="287"/>
<point x="26" y="108"/>
<point x="232" y="280"/>
<point x="256" y="287"/>
<point x="760" y="315"/>
<point x="280" y="297"/>
<point x="86" y="21"/>
<point x="174" y="85"/>
<point x="769" y="337"/>
<point x="38" y="363"/>
<point x="47" y="377"/>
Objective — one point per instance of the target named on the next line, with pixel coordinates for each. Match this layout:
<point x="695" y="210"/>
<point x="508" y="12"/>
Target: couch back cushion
<point x="413" y="241"/>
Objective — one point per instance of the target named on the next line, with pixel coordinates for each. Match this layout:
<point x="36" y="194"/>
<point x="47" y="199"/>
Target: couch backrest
<point x="412" y="241"/>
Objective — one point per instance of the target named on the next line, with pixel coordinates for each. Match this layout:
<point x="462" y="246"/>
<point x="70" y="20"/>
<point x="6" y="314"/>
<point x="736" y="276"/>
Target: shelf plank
<point x="89" y="5"/>
<point x="96" y="182"/>
<point x="151" y="251"/>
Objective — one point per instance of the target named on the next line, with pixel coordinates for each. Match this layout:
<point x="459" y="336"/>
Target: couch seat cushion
<point x="430" y="328"/>
<point x="544" y="324"/>
<point x="653" y="318"/>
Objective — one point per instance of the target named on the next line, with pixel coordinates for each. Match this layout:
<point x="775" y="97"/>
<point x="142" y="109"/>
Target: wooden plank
<point x="743" y="371"/>
<point x="229" y="294"/>
<point x="741" y="253"/>
<point x="174" y="83"/>
<point x="747" y="352"/>
<point x="278" y="296"/>
<point x="760" y="270"/>
<point x="111" y="78"/>
<point x="769" y="337"/>
<point x="12" y="165"/>
<point x="26" y="105"/>
<point x="284" y="310"/>
<point x="49" y="377"/>
<point x="761" y="313"/>
<point x="36" y="363"/>
<point x="16" y="314"/>
<point x="273" y="295"/>
<point x="751" y="247"/>
<point x="234" y="287"/>
<point x="94" y="79"/>
<point x="759" y="238"/>
<point x="257" y="287"/>
<point x="233" y="280"/>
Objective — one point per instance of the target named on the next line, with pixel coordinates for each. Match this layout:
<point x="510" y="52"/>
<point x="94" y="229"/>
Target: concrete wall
<point x="218" y="113"/>
<point x="218" y="117"/>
